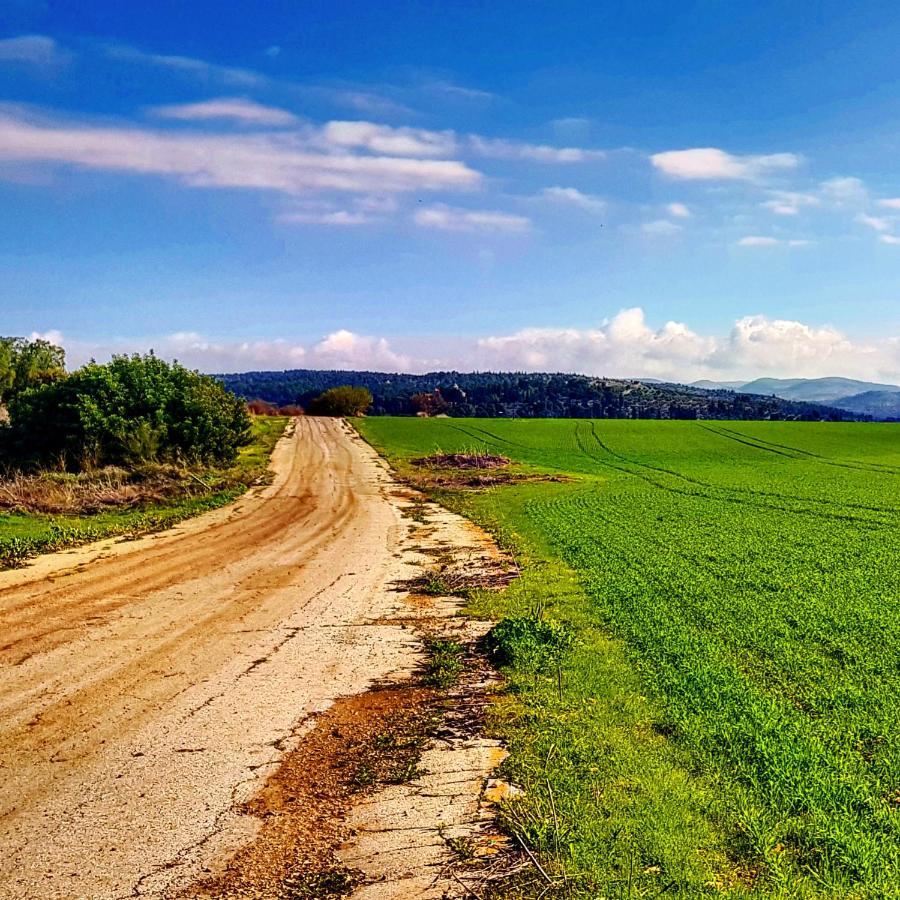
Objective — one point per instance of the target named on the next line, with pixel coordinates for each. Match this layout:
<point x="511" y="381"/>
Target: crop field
<point x="728" y="718"/>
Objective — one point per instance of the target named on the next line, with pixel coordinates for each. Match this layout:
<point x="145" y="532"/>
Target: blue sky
<point x="670" y="190"/>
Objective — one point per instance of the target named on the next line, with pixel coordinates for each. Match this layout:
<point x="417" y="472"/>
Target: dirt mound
<point x="463" y="461"/>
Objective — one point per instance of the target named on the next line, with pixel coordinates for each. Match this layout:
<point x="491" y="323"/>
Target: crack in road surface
<point x="148" y="688"/>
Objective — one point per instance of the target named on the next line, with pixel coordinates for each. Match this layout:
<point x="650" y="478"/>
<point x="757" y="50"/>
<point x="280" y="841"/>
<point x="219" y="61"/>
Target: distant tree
<point x="345" y="400"/>
<point x="132" y="409"/>
<point x="25" y="363"/>
<point x="261" y="408"/>
<point x="430" y="403"/>
<point x="291" y="409"/>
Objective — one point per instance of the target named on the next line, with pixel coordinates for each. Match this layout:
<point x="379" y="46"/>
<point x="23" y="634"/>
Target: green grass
<point x="24" y="536"/>
<point x="726" y="719"/>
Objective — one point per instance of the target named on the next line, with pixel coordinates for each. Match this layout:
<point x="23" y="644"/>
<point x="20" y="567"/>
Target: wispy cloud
<point x="274" y="162"/>
<point x="890" y="203"/>
<point x="392" y="141"/>
<point x="660" y="228"/>
<point x="678" y="210"/>
<point x="713" y="164"/>
<point x="198" y="68"/>
<point x="789" y="203"/>
<point x="878" y="223"/>
<point x="569" y="196"/>
<point x="889" y="239"/>
<point x="33" y="49"/>
<point x="479" y="221"/>
<point x="497" y="148"/>
<point x="759" y="240"/>
<point x="236" y="109"/>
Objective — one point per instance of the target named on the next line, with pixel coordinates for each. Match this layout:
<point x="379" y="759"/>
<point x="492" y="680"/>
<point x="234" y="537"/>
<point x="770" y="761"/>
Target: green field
<point x="22" y="536"/>
<point x="729" y="718"/>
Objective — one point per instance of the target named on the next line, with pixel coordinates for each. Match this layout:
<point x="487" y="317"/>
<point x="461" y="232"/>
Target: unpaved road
<point x="146" y="687"/>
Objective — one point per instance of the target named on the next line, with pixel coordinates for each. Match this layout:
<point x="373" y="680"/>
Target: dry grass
<point x="57" y="493"/>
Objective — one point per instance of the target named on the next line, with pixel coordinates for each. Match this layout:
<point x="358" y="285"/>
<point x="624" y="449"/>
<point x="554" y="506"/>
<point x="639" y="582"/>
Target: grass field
<point x="727" y="721"/>
<point x="22" y="536"/>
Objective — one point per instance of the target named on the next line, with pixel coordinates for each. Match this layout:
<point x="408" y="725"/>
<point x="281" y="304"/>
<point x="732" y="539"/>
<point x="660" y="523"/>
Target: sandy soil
<point x="148" y="689"/>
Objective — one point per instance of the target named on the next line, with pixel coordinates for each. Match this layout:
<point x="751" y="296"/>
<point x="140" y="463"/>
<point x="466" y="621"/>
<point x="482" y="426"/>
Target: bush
<point x="528" y="643"/>
<point x="341" y="401"/>
<point x="133" y="409"/>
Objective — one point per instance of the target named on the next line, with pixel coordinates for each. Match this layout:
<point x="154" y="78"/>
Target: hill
<point x="526" y="395"/>
<point x="814" y="390"/>
<point x="878" y="404"/>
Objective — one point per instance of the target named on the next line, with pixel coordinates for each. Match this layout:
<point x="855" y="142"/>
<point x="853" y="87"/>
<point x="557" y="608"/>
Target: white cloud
<point x="711" y="163"/>
<point x="447" y="218"/>
<point x="341" y="217"/>
<point x="757" y="240"/>
<point x="624" y="346"/>
<point x="388" y="140"/>
<point x="678" y="210"/>
<point x="660" y="227"/>
<point x="756" y="345"/>
<point x="879" y="223"/>
<point x="273" y="162"/>
<point x="789" y="203"/>
<point x="236" y="109"/>
<point x="496" y="148"/>
<point x="573" y="197"/>
<point x="33" y="49"/>
<point x="844" y="190"/>
<point x="889" y="239"/>
<point x="890" y="203"/>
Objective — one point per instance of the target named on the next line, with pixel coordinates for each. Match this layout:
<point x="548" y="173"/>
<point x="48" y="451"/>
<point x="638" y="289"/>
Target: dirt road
<point x="146" y="687"/>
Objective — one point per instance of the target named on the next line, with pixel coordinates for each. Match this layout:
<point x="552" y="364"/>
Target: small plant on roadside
<point x="445" y="661"/>
<point x="529" y="643"/>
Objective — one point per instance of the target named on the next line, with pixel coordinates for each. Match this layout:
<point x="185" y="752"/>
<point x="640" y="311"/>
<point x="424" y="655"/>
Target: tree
<point x="132" y="409"/>
<point x="24" y="363"/>
<point x="431" y="403"/>
<point x="341" y="401"/>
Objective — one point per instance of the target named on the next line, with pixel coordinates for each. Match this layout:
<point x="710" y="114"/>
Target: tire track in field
<point x="793" y="452"/>
<point x="718" y="493"/>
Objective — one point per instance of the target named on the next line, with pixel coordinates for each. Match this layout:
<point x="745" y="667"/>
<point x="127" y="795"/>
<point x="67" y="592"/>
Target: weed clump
<point x="529" y="643"/>
<point x="444" y="661"/>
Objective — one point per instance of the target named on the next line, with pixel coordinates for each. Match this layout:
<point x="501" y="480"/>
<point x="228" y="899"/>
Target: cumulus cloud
<point x="281" y="162"/>
<point x="33" y="49"/>
<point x="390" y="141"/>
<point x="623" y="346"/>
<point x="236" y="109"/>
<point x="756" y="345"/>
<point x="711" y="163"/>
<point x="497" y="148"/>
<point x="478" y="221"/>
<point x="569" y="196"/>
<point x="678" y="210"/>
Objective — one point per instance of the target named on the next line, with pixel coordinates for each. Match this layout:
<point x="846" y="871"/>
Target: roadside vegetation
<point x="123" y="448"/>
<point x="701" y="650"/>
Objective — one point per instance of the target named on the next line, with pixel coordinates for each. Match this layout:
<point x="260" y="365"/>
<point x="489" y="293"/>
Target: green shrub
<point x="341" y="401"/>
<point x="131" y="410"/>
<point x="529" y="643"/>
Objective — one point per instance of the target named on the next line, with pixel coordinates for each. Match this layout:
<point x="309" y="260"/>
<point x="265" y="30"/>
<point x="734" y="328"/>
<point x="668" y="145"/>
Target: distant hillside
<point x="526" y="395"/>
<point x="878" y="404"/>
<point x="814" y="390"/>
<point x="718" y="385"/>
